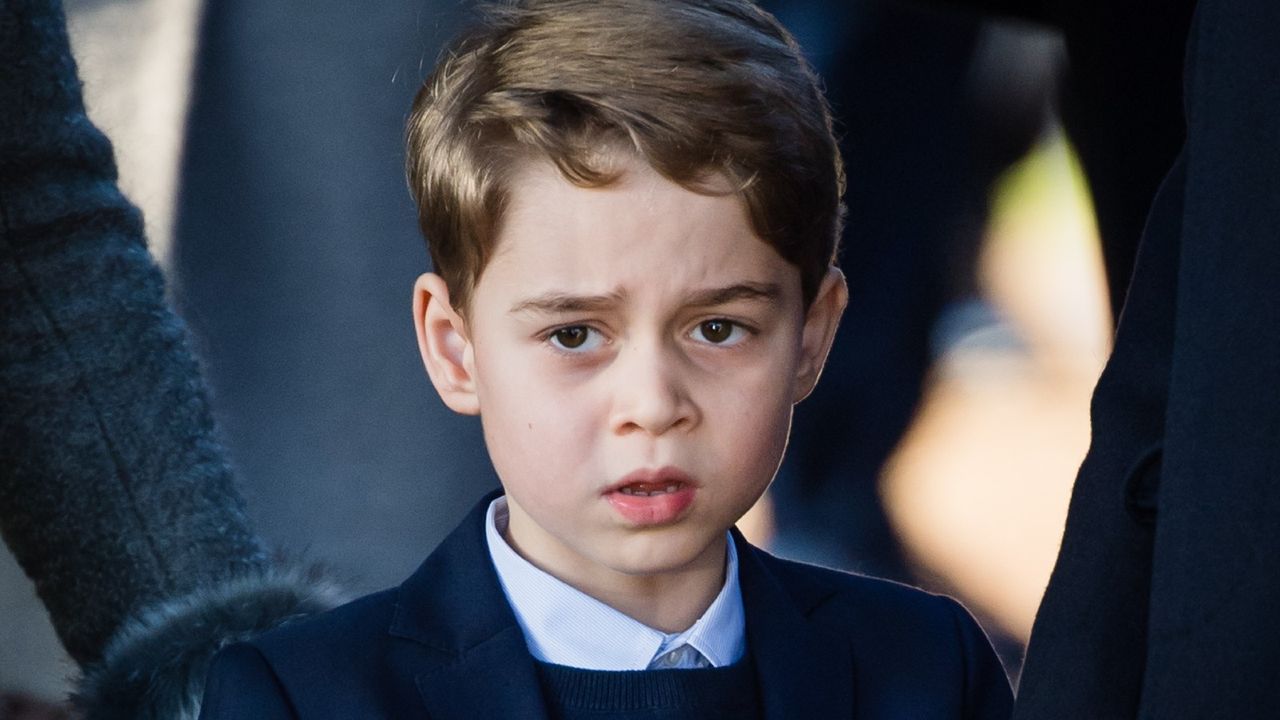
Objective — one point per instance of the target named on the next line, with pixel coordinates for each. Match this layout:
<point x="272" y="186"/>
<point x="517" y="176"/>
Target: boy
<point x="632" y="207"/>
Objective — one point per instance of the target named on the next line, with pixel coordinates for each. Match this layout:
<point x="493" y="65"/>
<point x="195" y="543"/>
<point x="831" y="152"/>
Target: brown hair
<point x="694" y="87"/>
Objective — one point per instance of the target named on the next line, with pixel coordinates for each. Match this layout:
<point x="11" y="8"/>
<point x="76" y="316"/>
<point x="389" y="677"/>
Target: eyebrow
<point x="556" y="302"/>
<point x="754" y="292"/>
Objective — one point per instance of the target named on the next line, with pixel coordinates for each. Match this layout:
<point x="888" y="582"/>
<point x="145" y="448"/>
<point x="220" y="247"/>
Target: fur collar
<point x="155" y="665"/>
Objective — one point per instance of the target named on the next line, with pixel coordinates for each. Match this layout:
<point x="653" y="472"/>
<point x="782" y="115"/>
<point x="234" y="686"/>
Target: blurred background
<point x="263" y="142"/>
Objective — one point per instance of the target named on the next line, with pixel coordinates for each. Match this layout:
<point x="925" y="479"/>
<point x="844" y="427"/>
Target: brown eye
<point x="716" y="331"/>
<point x="571" y="338"/>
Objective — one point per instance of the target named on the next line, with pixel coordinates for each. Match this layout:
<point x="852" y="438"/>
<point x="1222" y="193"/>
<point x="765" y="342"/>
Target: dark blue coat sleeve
<point x="115" y="490"/>
<point x="241" y="684"/>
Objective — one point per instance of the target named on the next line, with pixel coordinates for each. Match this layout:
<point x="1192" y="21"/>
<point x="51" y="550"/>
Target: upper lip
<point x="660" y="476"/>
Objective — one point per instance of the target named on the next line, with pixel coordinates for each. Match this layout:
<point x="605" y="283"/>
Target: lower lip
<point x="657" y="509"/>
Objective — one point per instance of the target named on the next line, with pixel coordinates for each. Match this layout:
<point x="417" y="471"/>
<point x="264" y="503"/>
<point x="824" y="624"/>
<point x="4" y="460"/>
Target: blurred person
<point x="116" y="496"/>
<point x="1162" y="602"/>
<point x="929" y="126"/>
<point x="1119" y="102"/>
<point x="294" y="242"/>
<point x="932" y="115"/>
<point x="313" y="366"/>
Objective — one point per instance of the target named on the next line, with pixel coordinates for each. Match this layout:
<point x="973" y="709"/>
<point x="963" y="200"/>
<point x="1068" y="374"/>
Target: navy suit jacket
<point x="445" y="645"/>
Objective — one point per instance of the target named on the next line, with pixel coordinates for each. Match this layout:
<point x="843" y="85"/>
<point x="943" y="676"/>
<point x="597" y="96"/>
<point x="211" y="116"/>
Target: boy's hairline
<point x="618" y="154"/>
<point x="500" y="155"/>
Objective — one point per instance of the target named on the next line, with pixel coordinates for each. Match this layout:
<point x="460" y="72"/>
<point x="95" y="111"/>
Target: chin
<point x="656" y="555"/>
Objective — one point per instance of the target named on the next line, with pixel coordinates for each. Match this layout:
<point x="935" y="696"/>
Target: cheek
<point x="536" y="431"/>
<point x="753" y="417"/>
<point x="525" y="403"/>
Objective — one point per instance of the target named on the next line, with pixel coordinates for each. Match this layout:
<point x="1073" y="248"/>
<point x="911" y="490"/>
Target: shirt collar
<point x="565" y="626"/>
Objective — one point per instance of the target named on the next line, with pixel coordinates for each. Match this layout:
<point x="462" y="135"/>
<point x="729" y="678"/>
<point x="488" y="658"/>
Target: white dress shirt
<point x="565" y="626"/>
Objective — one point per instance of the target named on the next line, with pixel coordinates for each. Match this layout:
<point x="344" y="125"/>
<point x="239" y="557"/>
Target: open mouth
<point x="647" y="482"/>
<point x="652" y="497"/>
<point x="647" y="490"/>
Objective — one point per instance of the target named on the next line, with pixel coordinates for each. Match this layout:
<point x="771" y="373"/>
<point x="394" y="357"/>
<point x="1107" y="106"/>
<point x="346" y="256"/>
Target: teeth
<point x="631" y="490"/>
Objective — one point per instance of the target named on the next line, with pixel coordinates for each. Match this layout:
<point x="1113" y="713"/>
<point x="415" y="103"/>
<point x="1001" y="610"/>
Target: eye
<point x="575" y="338"/>
<point x="719" y="332"/>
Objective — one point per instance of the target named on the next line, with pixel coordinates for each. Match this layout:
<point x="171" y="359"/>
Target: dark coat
<point x="1163" y="602"/>
<point x="446" y="643"/>
<point x="115" y="492"/>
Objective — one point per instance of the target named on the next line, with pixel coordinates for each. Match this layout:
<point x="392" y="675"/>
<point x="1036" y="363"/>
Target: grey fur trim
<point x="155" y="666"/>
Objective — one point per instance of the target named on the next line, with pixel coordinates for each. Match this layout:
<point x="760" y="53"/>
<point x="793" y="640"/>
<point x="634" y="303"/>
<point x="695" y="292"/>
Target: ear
<point x="444" y="344"/>
<point x="820" y="324"/>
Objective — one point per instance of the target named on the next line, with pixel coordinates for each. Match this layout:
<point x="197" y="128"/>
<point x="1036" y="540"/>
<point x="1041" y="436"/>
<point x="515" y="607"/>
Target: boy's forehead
<point x="632" y="214"/>
<point x="642" y="233"/>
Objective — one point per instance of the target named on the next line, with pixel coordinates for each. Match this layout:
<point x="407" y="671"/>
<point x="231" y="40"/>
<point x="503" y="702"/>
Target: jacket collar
<point x="454" y="605"/>
<point x="479" y="665"/>
<point x="803" y="671"/>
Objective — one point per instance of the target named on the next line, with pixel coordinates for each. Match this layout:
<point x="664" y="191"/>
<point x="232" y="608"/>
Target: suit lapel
<point x="476" y="663"/>
<point x="802" y="672"/>
<point x="495" y="679"/>
<point x="472" y="662"/>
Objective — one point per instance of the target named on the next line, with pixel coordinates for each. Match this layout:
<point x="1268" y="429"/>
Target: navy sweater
<point x="728" y="693"/>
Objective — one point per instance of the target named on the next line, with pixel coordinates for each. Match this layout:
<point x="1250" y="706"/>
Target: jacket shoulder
<point x="907" y="643"/>
<point x="348" y="647"/>
<point x="362" y="620"/>
<point x="824" y="590"/>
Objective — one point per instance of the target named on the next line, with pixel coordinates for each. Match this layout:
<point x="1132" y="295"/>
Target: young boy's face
<point x="634" y="353"/>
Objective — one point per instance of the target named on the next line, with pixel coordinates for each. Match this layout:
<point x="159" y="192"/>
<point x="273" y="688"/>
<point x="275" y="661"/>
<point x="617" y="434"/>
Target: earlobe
<point x="444" y="344"/>
<point x="820" y="323"/>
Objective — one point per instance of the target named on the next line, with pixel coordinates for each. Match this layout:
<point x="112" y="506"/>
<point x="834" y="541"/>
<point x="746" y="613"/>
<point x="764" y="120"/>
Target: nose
<point x="651" y="391"/>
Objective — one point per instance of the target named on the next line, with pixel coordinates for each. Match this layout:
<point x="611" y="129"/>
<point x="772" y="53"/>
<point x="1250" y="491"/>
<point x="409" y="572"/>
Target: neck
<point x="670" y="601"/>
